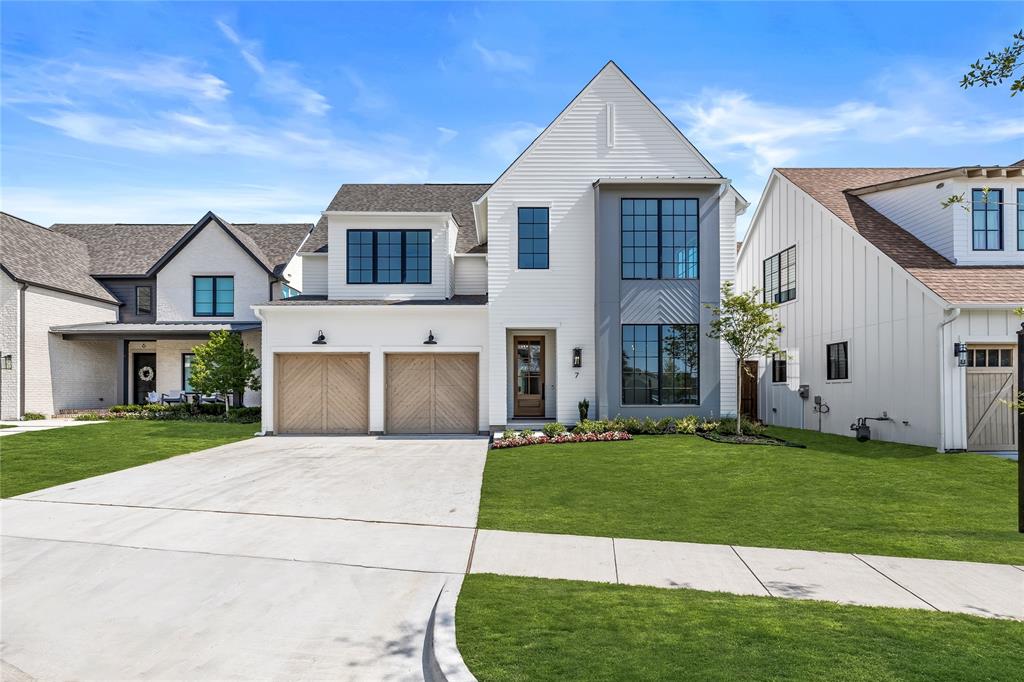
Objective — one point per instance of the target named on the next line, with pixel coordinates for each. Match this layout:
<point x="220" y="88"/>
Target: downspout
<point x="950" y="315"/>
<point x="21" y="350"/>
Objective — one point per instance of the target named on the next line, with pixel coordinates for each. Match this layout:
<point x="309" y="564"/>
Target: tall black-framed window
<point x="213" y="296"/>
<point x="143" y="300"/>
<point x="186" y="370"/>
<point x="779" y="368"/>
<point x="1020" y="220"/>
<point x="780" y="276"/>
<point x="533" y="238"/>
<point x="838" y="361"/>
<point x="987" y="220"/>
<point x="660" y="238"/>
<point x="388" y="257"/>
<point x="660" y="364"/>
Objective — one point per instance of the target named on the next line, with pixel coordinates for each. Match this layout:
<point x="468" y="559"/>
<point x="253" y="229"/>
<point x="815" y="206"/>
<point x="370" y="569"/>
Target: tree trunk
<point x="227" y="404"/>
<point x="739" y="399"/>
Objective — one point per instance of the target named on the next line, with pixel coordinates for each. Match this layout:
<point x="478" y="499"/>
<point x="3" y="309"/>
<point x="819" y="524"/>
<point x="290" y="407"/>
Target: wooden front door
<point x="991" y="383"/>
<point x="748" y="400"/>
<point x="529" y="376"/>
<point x="144" y="371"/>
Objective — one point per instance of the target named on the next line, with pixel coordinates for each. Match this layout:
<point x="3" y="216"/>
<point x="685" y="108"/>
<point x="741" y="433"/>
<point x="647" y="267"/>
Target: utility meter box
<point x="805" y="391"/>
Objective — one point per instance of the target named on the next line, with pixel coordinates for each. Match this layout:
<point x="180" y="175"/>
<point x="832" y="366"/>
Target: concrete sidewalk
<point x="33" y="425"/>
<point x="993" y="590"/>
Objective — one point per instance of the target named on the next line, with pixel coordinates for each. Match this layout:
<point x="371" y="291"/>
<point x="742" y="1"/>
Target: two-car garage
<point x="331" y="393"/>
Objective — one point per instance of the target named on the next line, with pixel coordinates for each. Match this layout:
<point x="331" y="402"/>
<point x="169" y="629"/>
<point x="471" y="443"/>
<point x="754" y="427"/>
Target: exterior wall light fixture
<point x="8" y="362"/>
<point x="430" y="339"/>
<point x="321" y="340"/>
<point x="960" y="351"/>
<point x="577" y="357"/>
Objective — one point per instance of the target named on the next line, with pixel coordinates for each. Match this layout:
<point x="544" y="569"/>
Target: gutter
<point x="949" y="317"/>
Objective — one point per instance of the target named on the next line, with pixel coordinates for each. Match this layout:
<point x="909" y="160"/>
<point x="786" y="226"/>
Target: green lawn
<point x="30" y="461"/>
<point x="532" y="629"/>
<point x="8" y="426"/>
<point x="836" y="495"/>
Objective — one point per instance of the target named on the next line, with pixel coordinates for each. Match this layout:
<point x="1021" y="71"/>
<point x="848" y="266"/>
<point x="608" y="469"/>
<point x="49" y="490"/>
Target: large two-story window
<point x="987" y="219"/>
<point x="660" y="239"/>
<point x="388" y="256"/>
<point x="660" y="364"/>
<point x="780" y="276"/>
<point x="533" y="238"/>
<point x="213" y="296"/>
<point x="1020" y="220"/>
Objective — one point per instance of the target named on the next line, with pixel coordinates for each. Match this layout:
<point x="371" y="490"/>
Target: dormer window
<point x="388" y="256"/>
<point x="987" y="219"/>
<point x="213" y="296"/>
<point x="1020" y="220"/>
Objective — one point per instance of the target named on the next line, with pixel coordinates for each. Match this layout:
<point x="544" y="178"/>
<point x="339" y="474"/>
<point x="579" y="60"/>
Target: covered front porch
<point x="153" y="361"/>
<point x="532" y="393"/>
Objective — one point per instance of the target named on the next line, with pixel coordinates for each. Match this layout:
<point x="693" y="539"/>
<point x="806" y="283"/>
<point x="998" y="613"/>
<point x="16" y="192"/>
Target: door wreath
<point x="146" y="373"/>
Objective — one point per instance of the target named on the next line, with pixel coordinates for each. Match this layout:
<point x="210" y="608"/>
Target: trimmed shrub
<point x="553" y="429"/>
<point x="687" y="424"/>
<point x="123" y="409"/>
<point x="593" y="426"/>
<point x="508" y="434"/>
<point x="526" y="433"/>
<point x="33" y="416"/>
<point x="89" y="417"/>
<point x="727" y="426"/>
<point x="584" y="408"/>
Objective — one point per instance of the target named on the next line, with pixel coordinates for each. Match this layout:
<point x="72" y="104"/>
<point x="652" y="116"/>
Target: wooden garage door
<point x="432" y="393"/>
<point x="991" y="383"/>
<point x="322" y="393"/>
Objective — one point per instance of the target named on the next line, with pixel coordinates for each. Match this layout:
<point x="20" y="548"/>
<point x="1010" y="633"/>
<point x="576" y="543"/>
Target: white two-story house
<point x="95" y="315"/>
<point x="893" y="307"/>
<point x="580" y="273"/>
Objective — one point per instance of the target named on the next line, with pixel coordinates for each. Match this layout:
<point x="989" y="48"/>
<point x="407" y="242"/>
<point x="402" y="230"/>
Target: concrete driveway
<point x="287" y="557"/>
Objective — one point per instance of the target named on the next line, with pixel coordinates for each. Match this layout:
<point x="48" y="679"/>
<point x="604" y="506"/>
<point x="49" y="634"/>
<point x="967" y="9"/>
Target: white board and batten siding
<point x="847" y="290"/>
<point x="558" y="172"/>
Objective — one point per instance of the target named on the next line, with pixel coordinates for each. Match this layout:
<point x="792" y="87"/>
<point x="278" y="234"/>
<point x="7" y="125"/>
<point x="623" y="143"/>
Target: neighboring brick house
<point x="98" y="314"/>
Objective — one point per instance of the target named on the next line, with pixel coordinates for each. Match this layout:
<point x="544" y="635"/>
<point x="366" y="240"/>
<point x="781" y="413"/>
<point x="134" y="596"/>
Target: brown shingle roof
<point x="35" y="255"/>
<point x="957" y="284"/>
<point x="454" y="198"/>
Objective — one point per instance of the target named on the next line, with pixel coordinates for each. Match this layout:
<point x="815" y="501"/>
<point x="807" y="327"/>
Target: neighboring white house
<point x="94" y="315"/>
<point x="878" y="283"/>
<point x="466" y="308"/>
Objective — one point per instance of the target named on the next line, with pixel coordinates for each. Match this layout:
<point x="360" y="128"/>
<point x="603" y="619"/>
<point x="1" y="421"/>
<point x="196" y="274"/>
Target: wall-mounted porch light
<point x="577" y="357"/>
<point x="430" y="339"/>
<point x="960" y="351"/>
<point x="320" y="338"/>
<point x="7" y="362"/>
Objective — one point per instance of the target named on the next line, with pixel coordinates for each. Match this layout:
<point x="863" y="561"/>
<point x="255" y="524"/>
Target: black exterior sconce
<point x="430" y="339"/>
<point x="321" y="340"/>
<point x="577" y="357"/>
<point x="960" y="351"/>
<point x="7" y="362"/>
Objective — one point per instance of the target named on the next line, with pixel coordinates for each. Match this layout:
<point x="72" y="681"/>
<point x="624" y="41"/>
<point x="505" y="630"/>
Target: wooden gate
<point x="991" y="383"/>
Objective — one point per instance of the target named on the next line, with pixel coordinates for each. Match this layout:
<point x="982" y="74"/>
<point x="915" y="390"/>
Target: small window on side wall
<point x="144" y="300"/>
<point x="837" y="355"/>
<point x="779" y="368"/>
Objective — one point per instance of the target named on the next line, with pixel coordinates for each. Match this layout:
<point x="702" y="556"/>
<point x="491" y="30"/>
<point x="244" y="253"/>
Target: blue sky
<point x="259" y="111"/>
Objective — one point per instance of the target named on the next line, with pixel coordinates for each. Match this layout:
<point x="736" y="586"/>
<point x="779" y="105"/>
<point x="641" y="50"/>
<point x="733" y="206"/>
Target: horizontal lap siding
<point x="918" y="209"/>
<point x="559" y="172"/>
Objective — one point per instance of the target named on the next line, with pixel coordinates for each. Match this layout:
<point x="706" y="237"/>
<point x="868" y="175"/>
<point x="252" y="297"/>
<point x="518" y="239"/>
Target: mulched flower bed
<point x="541" y="439"/>
<point x="749" y="439"/>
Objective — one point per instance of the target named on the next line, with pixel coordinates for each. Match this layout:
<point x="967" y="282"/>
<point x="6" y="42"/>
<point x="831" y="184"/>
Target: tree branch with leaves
<point x="223" y="365"/>
<point x="996" y="67"/>
<point x="748" y="326"/>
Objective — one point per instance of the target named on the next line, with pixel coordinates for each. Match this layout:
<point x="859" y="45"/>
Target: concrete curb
<point x="442" y="661"/>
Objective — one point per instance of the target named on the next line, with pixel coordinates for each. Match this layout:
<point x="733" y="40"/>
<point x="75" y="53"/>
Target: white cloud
<point x="500" y="60"/>
<point x="277" y="79"/>
<point x="446" y="135"/>
<point x="366" y="99"/>
<point x="507" y="144"/>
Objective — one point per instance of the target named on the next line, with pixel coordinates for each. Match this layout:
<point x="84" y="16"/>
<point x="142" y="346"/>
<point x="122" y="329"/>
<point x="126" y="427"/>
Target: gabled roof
<point x="32" y="254"/>
<point x="456" y="199"/>
<point x="957" y="284"/>
<point x="119" y="249"/>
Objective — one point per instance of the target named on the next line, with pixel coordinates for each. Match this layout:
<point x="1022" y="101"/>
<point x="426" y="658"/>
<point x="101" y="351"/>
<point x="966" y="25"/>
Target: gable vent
<point x="610" y="119"/>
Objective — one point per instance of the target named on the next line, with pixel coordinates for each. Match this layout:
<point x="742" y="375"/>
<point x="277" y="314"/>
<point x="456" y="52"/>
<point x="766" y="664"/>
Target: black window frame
<point x="184" y="384"/>
<point x="660" y="389"/>
<point x="780" y="367"/>
<point x="832" y="372"/>
<point x="138" y="308"/>
<point x="774" y="294"/>
<point x="661" y="248"/>
<point x="213" y="313"/>
<point x="1020" y="219"/>
<point x="375" y="271"/>
<point x="533" y="240"/>
<point x="987" y="204"/>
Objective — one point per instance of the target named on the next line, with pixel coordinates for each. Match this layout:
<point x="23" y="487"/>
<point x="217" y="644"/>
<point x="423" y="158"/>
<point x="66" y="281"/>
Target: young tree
<point x="996" y="67"/>
<point x="224" y="365"/>
<point x="746" y="324"/>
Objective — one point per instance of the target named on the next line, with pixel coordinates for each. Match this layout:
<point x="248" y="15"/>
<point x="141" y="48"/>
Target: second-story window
<point x="780" y="276"/>
<point x="143" y="300"/>
<point x="987" y="220"/>
<point x="388" y="256"/>
<point x="213" y="296"/>
<point x="1020" y="220"/>
<point x="660" y="239"/>
<point x="533" y="238"/>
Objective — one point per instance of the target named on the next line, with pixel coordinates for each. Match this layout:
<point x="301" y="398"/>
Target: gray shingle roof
<point x="35" y="255"/>
<point x="133" y="249"/>
<point x="454" y="198"/>
<point x="322" y="300"/>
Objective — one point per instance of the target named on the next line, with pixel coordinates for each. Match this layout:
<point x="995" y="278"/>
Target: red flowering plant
<point x="520" y="440"/>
